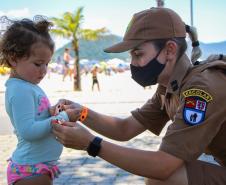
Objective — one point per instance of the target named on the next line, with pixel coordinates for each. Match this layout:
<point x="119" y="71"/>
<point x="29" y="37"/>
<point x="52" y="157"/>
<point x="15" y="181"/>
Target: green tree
<point x="69" y="26"/>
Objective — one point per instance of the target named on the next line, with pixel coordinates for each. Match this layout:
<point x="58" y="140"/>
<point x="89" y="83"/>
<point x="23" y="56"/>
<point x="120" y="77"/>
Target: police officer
<point x="192" y="96"/>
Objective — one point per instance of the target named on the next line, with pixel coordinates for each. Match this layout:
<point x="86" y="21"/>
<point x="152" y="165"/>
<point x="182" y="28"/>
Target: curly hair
<point x="20" y="35"/>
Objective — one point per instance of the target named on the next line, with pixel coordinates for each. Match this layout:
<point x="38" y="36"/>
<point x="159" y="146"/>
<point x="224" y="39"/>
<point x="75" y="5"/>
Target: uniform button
<point x="174" y="85"/>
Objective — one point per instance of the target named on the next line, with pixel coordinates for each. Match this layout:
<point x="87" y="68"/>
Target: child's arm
<point x="23" y="111"/>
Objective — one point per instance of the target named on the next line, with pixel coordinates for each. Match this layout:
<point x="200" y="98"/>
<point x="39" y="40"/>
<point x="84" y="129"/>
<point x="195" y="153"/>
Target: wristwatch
<point x="94" y="146"/>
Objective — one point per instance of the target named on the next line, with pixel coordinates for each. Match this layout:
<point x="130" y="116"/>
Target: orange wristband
<point x="84" y="114"/>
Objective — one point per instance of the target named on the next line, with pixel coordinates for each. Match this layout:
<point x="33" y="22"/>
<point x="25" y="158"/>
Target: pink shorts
<point x="16" y="172"/>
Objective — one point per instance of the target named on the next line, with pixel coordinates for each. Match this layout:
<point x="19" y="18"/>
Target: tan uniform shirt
<point x="195" y="101"/>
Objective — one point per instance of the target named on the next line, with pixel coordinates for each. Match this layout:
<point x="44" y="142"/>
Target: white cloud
<point x="17" y="13"/>
<point x="59" y="41"/>
<point x="96" y="23"/>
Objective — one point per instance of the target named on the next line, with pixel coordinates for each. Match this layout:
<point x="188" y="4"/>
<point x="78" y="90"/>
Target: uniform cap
<point x="150" y="24"/>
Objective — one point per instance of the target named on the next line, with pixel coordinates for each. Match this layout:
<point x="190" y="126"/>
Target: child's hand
<point x="52" y="110"/>
<point x="63" y="122"/>
<point x="56" y="121"/>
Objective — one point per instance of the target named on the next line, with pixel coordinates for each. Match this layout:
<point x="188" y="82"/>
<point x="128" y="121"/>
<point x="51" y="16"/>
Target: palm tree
<point x="69" y="26"/>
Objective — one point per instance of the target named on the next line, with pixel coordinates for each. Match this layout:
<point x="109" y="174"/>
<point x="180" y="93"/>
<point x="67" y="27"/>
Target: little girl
<point x="26" y="47"/>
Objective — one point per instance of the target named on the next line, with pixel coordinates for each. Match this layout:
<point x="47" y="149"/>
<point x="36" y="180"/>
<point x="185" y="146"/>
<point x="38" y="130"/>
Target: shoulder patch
<point x="198" y="93"/>
<point x="195" y="106"/>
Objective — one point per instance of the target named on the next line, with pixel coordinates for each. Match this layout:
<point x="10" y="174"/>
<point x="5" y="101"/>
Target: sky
<point x="208" y="15"/>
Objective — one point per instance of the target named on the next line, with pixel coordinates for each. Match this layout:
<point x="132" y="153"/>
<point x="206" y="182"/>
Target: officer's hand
<point x="73" y="135"/>
<point x="73" y="111"/>
<point x="65" y="102"/>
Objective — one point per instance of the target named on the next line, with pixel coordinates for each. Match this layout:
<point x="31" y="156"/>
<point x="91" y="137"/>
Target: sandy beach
<point x="118" y="96"/>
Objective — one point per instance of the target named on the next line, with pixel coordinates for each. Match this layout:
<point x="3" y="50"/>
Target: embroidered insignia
<point x="199" y="93"/>
<point x="195" y="106"/>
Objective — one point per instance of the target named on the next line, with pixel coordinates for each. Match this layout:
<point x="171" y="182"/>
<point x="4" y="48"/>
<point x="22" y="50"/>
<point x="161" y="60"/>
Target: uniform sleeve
<point x="23" y="111"/>
<point x="151" y="115"/>
<point x="196" y="123"/>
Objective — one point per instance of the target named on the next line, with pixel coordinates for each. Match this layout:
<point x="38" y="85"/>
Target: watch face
<point x="94" y="147"/>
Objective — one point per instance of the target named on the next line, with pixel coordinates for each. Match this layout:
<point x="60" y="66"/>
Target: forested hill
<point x="210" y="48"/>
<point x="93" y="50"/>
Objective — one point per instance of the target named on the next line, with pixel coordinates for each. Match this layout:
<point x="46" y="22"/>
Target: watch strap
<point x="94" y="146"/>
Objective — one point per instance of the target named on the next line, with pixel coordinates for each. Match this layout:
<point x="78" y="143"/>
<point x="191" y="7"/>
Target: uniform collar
<point x="180" y="70"/>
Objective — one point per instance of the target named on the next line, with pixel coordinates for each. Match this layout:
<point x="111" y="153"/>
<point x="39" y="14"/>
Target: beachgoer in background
<point x="66" y="64"/>
<point x="94" y="72"/>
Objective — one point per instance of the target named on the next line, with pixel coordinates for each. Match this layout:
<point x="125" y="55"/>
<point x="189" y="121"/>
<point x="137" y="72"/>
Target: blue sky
<point x="209" y="16"/>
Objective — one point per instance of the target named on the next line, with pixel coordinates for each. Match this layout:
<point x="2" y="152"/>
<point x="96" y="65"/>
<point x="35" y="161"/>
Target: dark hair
<point x="181" y="42"/>
<point x="20" y="35"/>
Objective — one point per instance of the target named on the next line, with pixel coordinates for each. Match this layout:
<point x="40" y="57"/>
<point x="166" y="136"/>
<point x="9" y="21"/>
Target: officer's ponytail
<point x="196" y="51"/>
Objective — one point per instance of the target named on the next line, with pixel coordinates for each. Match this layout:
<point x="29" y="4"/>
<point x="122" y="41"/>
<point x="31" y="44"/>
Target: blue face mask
<point x="148" y="74"/>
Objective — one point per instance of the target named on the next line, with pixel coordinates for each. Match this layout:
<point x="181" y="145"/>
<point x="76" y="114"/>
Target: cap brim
<point x="123" y="46"/>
